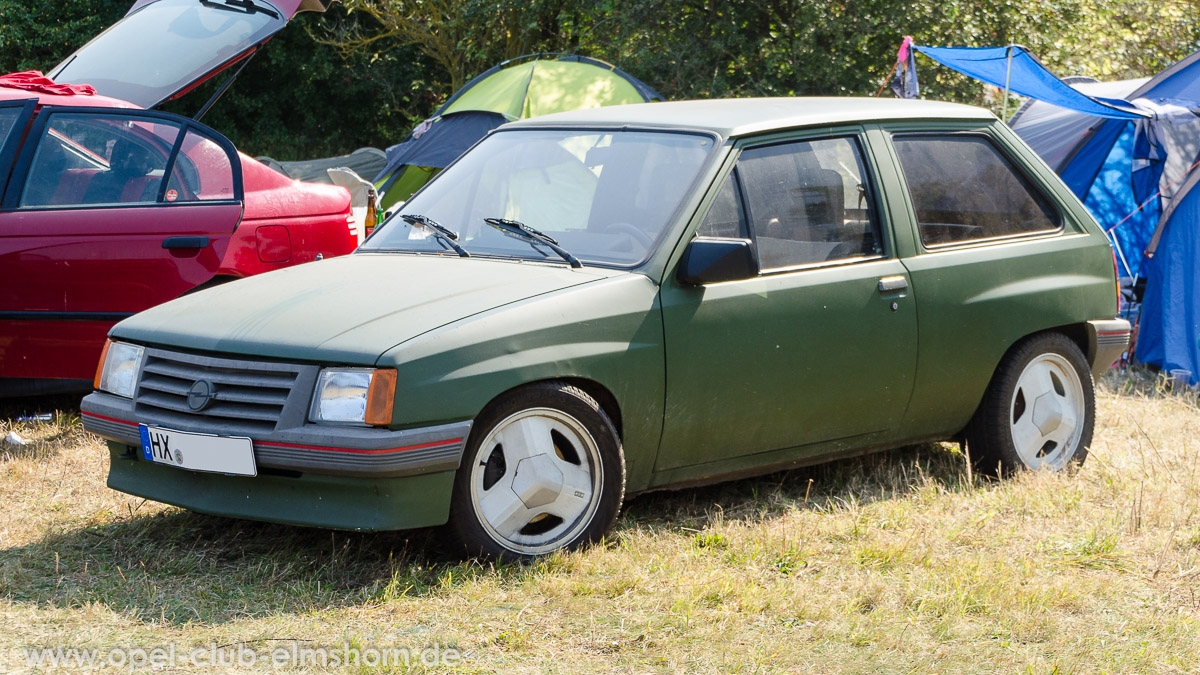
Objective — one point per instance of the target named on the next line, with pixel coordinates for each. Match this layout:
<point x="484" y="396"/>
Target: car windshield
<point x="604" y="196"/>
<point x="163" y="48"/>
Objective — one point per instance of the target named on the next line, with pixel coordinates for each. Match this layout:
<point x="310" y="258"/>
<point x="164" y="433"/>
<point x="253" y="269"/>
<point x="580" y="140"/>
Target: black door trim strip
<point x="64" y="316"/>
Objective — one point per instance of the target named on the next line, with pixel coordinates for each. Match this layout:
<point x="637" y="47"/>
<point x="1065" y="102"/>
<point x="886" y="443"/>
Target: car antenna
<point x="225" y="87"/>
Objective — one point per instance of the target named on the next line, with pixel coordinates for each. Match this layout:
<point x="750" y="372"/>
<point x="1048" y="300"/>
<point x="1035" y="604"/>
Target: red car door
<point x="108" y="212"/>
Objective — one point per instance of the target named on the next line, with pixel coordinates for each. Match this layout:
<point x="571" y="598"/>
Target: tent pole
<point x="1007" y="78"/>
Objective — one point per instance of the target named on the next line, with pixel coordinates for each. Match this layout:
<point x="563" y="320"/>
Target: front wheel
<point x="543" y="471"/>
<point x="1039" y="410"/>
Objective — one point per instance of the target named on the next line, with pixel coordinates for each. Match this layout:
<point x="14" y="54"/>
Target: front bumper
<point x="308" y="448"/>
<point x="339" y="502"/>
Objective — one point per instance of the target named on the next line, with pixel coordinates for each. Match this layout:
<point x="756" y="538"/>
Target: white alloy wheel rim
<point x="535" y="482"/>
<point x="1046" y="414"/>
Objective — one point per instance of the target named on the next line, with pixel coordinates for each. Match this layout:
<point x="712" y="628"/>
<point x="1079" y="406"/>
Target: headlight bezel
<point x="119" y="367"/>
<point x="369" y="404"/>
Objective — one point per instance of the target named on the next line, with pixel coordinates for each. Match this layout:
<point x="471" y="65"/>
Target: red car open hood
<point x="162" y="48"/>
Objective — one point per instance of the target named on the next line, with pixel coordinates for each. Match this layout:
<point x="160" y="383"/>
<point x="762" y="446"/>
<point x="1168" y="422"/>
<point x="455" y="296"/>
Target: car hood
<point x="164" y="47"/>
<point x="349" y="309"/>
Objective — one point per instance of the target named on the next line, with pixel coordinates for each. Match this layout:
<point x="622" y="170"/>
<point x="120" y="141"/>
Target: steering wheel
<point x="632" y="230"/>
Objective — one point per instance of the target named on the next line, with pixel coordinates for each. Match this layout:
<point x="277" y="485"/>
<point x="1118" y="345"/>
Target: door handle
<point x="893" y="284"/>
<point x="186" y="242"/>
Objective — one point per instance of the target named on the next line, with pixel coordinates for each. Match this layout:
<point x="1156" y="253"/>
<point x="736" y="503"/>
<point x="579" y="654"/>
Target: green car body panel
<point x="607" y="332"/>
<point x="977" y="301"/>
<point x="716" y="414"/>
<point x="345" y="310"/>
<point x="703" y="382"/>
<point x="331" y="501"/>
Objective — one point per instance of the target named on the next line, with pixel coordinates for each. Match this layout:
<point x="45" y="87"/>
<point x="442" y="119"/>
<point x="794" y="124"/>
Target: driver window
<point x="89" y="160"/>
<point x="809" y="202"/>
<point x="724" y="217"/>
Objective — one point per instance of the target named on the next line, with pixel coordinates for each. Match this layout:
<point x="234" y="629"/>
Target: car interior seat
<point x="73" y="185"/>
<point x="128" y="178"/>
<point x="822" y="194"/>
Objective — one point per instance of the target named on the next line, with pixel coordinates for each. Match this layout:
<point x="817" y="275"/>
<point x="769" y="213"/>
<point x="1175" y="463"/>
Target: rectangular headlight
<point x="119" y="363"/>
<point x="354" y="396"/>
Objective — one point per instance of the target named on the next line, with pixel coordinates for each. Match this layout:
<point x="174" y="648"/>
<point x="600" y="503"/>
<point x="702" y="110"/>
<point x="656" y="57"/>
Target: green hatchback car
<point x="600" y="303"/>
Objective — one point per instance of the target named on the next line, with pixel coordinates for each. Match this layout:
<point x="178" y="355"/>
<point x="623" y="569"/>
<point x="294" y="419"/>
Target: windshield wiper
<point x="241" y="6"/>
<point x="527" y="233"/>
<point x="444" y="234"/>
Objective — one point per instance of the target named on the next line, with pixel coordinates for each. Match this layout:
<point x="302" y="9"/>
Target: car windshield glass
<point x="161" y="49"/>
<point x="605" y="196"/>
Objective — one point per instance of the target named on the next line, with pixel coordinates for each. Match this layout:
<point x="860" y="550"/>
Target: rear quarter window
<point x="964" y="189"/>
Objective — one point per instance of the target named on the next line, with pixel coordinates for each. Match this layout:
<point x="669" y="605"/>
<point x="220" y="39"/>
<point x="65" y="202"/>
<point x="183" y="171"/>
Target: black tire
<point x="1057" y="387"/>
<point x="568" y="412"/>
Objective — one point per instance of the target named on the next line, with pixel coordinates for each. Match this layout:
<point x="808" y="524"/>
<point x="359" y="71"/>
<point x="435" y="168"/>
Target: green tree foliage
<point x="1131" y="38"/>
<point x="300" y="98"/>
<point x="463" y="37"/>
<point x="297" y="98"/>
<point x="38" y="34"/>
<point x="367" y="70"/>
<point x="711" y="48"/>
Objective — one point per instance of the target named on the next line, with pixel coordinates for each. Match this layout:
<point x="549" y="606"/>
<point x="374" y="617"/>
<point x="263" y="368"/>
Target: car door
<point x="108" y="212"/>
<point x="996" y="259"/>
<point x="821" y="344"/>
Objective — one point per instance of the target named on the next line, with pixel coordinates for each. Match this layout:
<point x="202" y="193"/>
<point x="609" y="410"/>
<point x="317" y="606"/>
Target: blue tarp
<point x="1117" y="168"/>
<point x="1027" y="77"/>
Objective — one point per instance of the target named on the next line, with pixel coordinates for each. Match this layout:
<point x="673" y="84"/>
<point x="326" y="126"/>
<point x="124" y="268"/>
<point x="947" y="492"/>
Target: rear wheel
<point x="543" y="471"/>
<point x="1039" y="410"/>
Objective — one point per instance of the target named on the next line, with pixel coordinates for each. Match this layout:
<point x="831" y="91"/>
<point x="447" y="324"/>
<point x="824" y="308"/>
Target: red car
<point x="109" y="208"/>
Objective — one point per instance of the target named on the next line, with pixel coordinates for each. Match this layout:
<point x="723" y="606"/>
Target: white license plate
<point x="198" y="452"/>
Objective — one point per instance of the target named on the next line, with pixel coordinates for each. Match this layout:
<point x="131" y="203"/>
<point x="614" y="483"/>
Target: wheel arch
<point x="604" y="397"/>
<point x="1076" y="332"/>
<point x="472" y="525"/>
<point x="996" y="456"/>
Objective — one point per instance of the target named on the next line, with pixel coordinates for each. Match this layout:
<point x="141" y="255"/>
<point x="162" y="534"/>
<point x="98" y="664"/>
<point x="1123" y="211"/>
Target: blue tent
<point x="1129" y="150"/>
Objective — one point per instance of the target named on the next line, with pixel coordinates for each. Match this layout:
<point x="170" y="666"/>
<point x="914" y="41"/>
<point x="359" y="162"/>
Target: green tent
<point x="528" y="86"/>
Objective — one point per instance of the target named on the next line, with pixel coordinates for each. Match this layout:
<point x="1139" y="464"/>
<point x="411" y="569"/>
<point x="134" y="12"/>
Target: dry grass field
<point x="898" y="562"/>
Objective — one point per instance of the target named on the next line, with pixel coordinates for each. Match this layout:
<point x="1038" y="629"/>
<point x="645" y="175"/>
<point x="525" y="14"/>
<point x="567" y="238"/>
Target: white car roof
<point x="736" y="117"/>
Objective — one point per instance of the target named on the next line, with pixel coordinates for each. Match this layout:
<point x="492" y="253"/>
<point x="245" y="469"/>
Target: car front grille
<point x="248" y="397"/>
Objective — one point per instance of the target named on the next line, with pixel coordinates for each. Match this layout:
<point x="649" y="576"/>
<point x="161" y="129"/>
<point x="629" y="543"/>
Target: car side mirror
<point x="709" y="260"/>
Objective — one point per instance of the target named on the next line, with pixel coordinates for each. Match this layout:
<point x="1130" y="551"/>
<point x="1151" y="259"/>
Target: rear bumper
<point x="1107" y="340"/>
<point x="308" y="448"/>
<point x="338" y="502"/>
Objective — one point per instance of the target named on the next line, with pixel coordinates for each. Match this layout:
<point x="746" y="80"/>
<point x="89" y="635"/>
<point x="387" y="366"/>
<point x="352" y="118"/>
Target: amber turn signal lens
<point x="380" y="398"/>
<point x="100" y="366"/>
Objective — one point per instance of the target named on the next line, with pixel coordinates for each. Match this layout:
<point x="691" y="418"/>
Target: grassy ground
<point x="899" y="562"/>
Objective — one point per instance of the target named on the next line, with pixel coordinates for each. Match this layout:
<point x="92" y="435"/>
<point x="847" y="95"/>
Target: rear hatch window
<point x="164" y="47"/>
